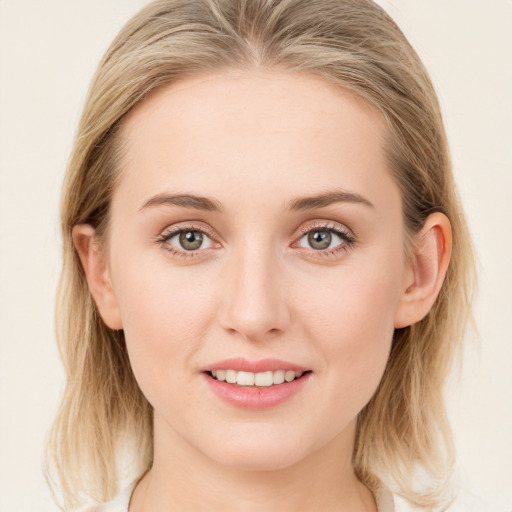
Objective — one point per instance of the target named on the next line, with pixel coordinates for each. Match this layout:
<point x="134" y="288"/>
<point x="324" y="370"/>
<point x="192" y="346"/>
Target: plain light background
<point x="49" y="50"/>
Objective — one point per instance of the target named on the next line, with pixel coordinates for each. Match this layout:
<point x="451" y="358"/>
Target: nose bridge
<point x="254" y="304"/>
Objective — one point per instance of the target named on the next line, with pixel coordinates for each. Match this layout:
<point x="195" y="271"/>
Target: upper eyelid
<point x="204" y="228"/>
<point x="323" y="224"/>
<point x="191" y="225"/>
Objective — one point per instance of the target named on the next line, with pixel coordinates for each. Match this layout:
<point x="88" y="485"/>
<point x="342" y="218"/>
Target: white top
<point x="385" y="502"/>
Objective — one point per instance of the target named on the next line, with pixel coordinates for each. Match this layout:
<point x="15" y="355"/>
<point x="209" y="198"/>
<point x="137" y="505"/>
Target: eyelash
<point x="347" y="238"/>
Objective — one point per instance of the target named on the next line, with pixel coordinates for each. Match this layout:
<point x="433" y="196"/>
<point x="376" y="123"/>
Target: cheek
<point x="354" y="304"/>
<point x="164" y="316"/>
<point x="353" y="326"/>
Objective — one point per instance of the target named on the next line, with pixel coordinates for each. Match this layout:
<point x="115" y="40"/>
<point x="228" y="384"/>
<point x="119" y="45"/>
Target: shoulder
<point x="463" y="502"/>
<point x="118" y="504"/>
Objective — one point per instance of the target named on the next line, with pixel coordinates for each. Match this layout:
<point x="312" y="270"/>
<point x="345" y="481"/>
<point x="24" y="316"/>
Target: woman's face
<point x="256" y="219"/>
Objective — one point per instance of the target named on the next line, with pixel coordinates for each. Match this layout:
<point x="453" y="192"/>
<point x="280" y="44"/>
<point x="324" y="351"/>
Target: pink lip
<point x="263" y="365"/>
<point x="253" y="397"/>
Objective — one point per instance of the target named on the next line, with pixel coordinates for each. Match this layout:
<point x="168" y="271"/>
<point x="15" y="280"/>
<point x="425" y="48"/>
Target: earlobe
<point x="97" y="274"/>
<point x="428" y="265"/>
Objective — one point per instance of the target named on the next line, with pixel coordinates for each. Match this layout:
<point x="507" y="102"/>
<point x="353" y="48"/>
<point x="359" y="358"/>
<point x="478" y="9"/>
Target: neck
<point x="183" y="479"/>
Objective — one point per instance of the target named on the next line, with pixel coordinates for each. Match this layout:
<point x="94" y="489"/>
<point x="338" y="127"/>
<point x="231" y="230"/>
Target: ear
<point x="97" y="274"/>
<point x="427" y="269"/>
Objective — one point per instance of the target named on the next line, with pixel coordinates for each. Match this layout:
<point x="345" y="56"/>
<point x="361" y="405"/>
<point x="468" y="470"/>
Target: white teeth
<point x="245" y="379"/>
<point x="264" y="379"/>
<point x="279" y="377"/>
<point x="231" y="376"/>
<point x="289" y="376"/>
<point x="260" y="379"/>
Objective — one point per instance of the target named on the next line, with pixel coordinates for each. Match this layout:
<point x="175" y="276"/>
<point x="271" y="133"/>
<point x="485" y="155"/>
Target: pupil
<point x="191" y="240"/>
<point x="319" y="239"/>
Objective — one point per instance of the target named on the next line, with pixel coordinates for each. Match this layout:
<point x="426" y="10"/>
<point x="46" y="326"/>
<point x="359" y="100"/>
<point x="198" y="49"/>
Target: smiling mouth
<point x="259" y="379"/>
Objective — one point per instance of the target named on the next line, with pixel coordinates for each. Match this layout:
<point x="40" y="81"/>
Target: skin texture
<point x="254" y="141"/>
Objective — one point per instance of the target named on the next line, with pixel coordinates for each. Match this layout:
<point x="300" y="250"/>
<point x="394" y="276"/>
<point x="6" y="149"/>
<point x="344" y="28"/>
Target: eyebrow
<point x="185" y="201"/>
<point x="299" y="204"/>
<point x="326" y="199"/>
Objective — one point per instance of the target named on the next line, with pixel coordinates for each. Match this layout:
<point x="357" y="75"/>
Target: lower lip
<point x="256" y="398"/>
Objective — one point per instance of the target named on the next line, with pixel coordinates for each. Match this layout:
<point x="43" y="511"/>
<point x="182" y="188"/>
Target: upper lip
<point x="263" y="365"/>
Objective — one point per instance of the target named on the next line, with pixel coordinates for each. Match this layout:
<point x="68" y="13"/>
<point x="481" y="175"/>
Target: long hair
<point x="403" y="431"/>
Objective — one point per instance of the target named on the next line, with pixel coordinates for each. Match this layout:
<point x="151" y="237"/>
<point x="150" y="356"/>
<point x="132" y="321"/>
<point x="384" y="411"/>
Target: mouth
<point x="256" y="385"/>
<point x="266" y="379"/>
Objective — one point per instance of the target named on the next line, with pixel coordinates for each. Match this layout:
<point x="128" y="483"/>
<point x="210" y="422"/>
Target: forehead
<point x="242" y="129"/>
<point x="259" y="97"/>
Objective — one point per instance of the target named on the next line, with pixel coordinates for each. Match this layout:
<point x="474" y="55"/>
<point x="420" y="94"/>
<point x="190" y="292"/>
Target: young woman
<point x="267" y="272"/>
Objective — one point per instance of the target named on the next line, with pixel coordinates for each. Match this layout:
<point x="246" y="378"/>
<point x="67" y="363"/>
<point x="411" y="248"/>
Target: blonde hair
<point x="403" y="431"/>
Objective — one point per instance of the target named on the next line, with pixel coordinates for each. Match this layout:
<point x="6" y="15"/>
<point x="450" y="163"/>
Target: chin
<point x="258" y="461"/>
<point x="251" y="452"/>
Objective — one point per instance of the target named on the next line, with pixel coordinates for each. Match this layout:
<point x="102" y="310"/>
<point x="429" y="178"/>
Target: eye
<point x="190" y="240"/>
<point x="326" y="239"/>
<point x="185" y="241"/>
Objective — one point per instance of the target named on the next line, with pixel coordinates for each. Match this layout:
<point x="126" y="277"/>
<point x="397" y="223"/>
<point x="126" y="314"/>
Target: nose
<point x="255" y="299"/>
